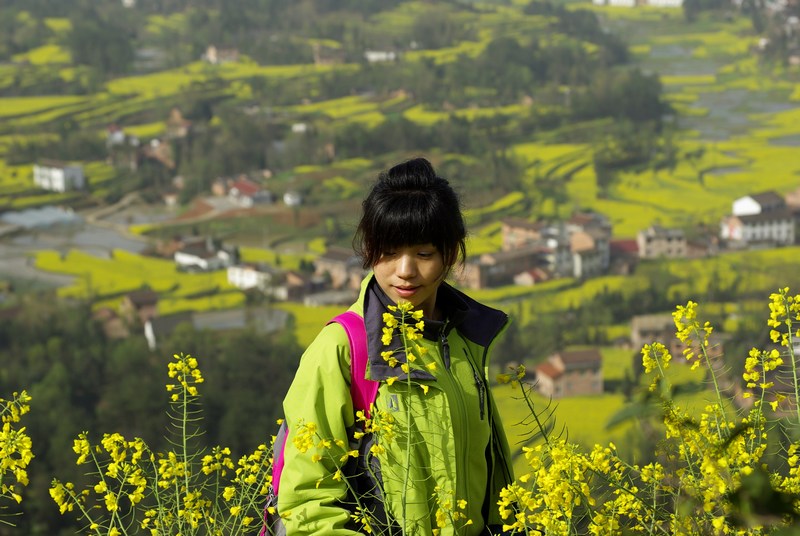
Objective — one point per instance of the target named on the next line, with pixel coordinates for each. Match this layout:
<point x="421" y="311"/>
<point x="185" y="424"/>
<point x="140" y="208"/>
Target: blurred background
<point x="185" y="176"/>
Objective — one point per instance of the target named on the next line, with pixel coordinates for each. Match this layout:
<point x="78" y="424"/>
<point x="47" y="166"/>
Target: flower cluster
<point x="134" y="490"/>
<point x="513" y="377"/>
<point x="449" y="511"/>
<point x="407" y="323"/>
<point x="706" y="468"/>
<point x="184" y="370"/>
<point x="15" y="447"/>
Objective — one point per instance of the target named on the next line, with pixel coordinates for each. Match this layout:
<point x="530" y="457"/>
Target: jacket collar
<point x="474" y="321"/>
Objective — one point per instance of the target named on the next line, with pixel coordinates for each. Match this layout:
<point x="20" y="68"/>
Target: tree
<point x="104" y="43"/>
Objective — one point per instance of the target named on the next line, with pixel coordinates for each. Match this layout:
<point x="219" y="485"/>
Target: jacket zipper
<point x="479" y="384"/>
<point x="445" y="347"/>
<point x="462" y="477"/>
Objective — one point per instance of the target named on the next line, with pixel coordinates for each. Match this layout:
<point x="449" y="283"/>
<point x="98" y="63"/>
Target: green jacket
<point x="450" y="438"/>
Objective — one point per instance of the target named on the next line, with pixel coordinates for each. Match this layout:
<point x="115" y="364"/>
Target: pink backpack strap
<point x="362" y="390"/>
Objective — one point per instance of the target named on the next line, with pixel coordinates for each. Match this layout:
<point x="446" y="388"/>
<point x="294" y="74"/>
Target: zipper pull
<point x="481" y="392"/>
<point x="445" y="350"/>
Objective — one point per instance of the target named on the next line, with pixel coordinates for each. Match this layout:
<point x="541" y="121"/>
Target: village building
<point x="292" y="198"/>
<point x="532" y="277"/>
<point x="327" y="55"/>
<point x="204" y="255"/>
<point x="217" y="56"/>
<point x="177" y="125"/>
<point x="341" y="266"/>
<point x="253" y="276"/>
<point x="380" y="56"/>
<point x="500" y="268"/>
<point x="661" y="242"/>
<point x="519" y="232"/>
<point x="759" y="219"/>
<point x="623" y="256"/>
<point x="58" y="176"/>
<point x="247" y="193"/>
<point x="571" y="373"/>
<point x="589" y="241"/>
<point x="650" y="328"/>
<point x="589" y="254"/>
<point x="277" y="284"/>
<point x="139" y="305"/>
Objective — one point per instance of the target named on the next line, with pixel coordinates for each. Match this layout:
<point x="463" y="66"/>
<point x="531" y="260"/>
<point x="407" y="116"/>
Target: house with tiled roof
<point x="518" y="232"/>
<point x="341" y="266"/>
<point x="661" y="242"/>
<point x="204" y="254"/>
<point x="501" y="267"/>
<point x="762" y="218"/>
<point x="571" y="373"/>
<point x="141" y="305"/>
<point x="247" y="193"/>
<point x="623" y="255"/>
<point x="589" y="254"/>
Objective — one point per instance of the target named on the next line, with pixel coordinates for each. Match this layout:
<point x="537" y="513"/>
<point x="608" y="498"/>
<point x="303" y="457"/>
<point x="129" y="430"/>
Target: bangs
<point x="405" y="228"/>
<point x="411" y="219"/>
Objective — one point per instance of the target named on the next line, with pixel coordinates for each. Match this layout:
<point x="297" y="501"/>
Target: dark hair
<point x="408" y="205"/>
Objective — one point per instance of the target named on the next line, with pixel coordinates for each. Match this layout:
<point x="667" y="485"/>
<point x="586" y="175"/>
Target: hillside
<point x="534" y="110"/>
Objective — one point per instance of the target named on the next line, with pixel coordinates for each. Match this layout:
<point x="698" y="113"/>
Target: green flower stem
<point x="407" y="476"/>
<point x="790" y="339"/>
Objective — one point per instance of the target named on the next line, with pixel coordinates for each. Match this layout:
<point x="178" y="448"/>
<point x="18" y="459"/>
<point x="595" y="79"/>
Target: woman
<point x="448" y="455"/>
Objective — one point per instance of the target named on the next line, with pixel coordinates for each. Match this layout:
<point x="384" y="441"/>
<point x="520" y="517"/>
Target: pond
<point x="731" y="112"/>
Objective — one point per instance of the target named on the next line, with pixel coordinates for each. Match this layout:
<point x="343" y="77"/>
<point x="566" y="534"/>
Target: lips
<point x="406" y="292"/>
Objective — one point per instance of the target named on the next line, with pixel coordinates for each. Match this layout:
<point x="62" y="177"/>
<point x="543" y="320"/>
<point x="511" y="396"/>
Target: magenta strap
<point x="362" y="390"/>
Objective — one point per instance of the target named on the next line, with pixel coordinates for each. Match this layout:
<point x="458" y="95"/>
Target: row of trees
<point x="80" y="380"/>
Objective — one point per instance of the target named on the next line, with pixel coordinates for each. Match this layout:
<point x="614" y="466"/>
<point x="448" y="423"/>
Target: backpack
<point x="363" y="393"/>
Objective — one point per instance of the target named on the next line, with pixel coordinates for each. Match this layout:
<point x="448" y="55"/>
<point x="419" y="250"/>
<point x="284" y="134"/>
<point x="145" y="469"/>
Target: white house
<point x="758" y="203"/>
<point x="203" y="255"/>
<point x="762" y="217"/>
<point x="380" y="56"/>
<point x="269" y="280"/>
<point x="665" y="3"/>
<point x="58" y="176"/>
<point x="293" y="198"/>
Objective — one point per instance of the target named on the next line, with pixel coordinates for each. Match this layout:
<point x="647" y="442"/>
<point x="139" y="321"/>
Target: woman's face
<point x="412" y="274"/>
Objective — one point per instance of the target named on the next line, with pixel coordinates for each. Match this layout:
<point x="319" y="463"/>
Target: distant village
<point x="532" y="252"/>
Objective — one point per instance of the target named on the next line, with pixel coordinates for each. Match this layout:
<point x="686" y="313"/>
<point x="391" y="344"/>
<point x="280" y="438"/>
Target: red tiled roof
<point x="579" y="359"/>
<point x="624" y="246"/>
<point x="549" y="370"/>
<point x="246" y="187"/>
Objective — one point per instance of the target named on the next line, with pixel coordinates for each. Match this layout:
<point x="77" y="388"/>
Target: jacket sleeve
<point x="310" y="499"/>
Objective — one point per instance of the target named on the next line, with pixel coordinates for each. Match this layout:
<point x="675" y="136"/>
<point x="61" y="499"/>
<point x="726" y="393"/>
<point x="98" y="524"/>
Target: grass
<point x="16" y="106"/>
<point x="309" y="320"/>
<point x="108" y="279"/>
<point x="45" y="55"/>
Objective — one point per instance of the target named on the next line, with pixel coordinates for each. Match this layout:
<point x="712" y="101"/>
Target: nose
<point x="406" y="266"/>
